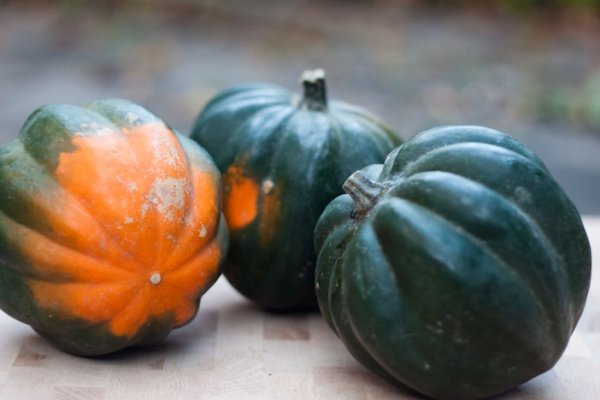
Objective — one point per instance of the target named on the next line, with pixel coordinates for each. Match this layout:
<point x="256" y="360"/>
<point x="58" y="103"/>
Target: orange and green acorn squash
<point x="458" y="268"/>
<point x="110" y="226"/>
<point x="283" y="158"/>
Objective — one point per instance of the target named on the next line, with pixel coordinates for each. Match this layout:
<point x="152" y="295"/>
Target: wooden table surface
<point x="232" y="350"/>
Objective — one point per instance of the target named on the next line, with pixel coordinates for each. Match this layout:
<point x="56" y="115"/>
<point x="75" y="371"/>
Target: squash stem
<point x="315" y="93"/>
<point x="364" y="191"/>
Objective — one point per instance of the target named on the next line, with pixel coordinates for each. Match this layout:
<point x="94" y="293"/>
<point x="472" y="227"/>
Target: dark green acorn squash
<point x="458" y="269"/>
<point x="283" y="159"/>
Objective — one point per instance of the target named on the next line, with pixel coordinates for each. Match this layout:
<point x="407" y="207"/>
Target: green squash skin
<point x="307" y="154"/>
<point x="467" y="276"/>
<point x="26" y="167"/>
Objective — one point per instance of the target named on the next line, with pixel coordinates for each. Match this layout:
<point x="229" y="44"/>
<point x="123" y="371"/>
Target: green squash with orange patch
<point x="110" y="226"/>
<point x="284" y="157"/>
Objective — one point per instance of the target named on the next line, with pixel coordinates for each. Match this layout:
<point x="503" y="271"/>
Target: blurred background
<point x="530" y="68"/>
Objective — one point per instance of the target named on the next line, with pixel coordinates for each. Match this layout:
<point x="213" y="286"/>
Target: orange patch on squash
<point x="152" y="220"/>
<point x="202" y="221"/>
<point x="241" y="198"/>
<point x="128" y="305"/>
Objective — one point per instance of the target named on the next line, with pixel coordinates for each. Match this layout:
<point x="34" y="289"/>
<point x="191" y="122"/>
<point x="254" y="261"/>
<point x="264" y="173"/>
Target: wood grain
<point x="233" y="350"/>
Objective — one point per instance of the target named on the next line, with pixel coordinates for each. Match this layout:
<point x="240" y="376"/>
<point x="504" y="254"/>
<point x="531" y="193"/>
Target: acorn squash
<point x="110" y="226"/>
<point x="283" y="158"/>
<point x="458" y="268"/>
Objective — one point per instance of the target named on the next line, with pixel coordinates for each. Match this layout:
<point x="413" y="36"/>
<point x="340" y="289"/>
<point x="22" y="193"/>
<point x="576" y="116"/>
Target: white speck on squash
<point x="132" y="187"/>
<point x="131" y="117"/>
<point x="202" y="231"/>
<point x="523" y="195"/>
<point x="267" y="186"/>
<point x="165" y="151"/>
<point x="155" y="278"/>
<point x="166" y="196"/>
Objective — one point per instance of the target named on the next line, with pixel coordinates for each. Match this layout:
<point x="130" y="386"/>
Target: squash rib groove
<point x="85" y="207"/>
<point x="378" y="362"/>
<point x="539" y="233"/>
<point x="523" y="213"/>
<point x="490" y="253"/>
<point x="109" y="239"/>
<point x="107" y="267"/>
